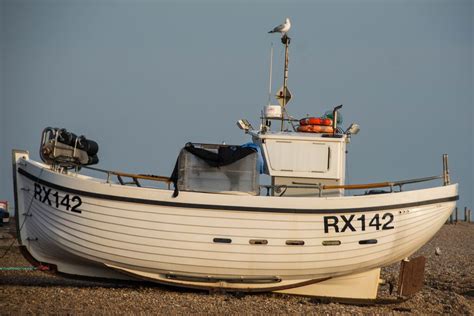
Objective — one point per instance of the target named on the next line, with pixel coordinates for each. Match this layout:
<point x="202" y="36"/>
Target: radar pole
<point x="285" y="40"/>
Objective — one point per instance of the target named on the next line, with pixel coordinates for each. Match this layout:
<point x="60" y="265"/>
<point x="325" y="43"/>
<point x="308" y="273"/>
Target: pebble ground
<point x="448" y="289"/>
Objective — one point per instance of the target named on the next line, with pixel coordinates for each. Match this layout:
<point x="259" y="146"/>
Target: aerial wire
<point x="270" y="79"/>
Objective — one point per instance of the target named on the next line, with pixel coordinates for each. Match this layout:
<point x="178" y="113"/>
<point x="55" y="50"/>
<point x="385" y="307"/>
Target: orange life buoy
<point x="316" y="121"/>
<point x="315" y="129"/>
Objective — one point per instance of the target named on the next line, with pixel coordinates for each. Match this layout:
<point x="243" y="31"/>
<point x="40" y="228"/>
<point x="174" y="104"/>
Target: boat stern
<point x="17" y="156"/>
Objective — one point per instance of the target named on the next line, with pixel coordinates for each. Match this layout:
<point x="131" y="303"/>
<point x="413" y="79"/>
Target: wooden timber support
<point x="467" y="214"/>
<point x="454" y="217"/>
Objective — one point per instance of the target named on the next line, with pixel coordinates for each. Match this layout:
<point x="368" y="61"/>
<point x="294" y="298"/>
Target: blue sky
<point x="145" y="77"/>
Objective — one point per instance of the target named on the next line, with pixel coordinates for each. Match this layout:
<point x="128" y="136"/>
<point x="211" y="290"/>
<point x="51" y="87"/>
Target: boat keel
<point x="356" y="286"/>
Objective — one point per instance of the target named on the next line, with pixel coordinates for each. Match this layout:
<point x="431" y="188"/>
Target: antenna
<point x="270" y="79"/>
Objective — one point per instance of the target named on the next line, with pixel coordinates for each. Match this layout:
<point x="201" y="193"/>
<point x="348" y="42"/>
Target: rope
<point x="18" y="268"/>
<point x="38" y="268"/>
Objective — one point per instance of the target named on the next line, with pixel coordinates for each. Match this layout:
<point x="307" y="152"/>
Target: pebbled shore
<point x="448" y="289"/>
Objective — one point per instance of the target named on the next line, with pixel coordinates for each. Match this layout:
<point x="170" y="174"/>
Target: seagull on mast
<point x="282" y="28"/>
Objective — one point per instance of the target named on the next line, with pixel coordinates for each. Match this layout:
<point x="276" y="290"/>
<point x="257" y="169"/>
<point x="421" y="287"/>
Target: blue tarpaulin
<point x="260" y="157"/>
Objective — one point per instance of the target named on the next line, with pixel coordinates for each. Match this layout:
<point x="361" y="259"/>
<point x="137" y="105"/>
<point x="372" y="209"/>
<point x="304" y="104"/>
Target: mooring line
<point x="31" y="268"/>
<point x="18" y="268"/>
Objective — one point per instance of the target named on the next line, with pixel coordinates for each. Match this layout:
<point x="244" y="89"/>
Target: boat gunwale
<point x="111" y="197"/>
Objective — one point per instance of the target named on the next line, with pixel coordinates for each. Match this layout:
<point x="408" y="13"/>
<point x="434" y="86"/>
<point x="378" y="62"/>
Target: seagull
<point x="282" y="28"/>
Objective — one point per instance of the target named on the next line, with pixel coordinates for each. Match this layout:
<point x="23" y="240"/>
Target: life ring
<point x="316" y="121"/>
<point x="315" y="129"/>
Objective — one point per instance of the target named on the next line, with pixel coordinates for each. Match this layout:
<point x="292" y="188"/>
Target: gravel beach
<point x="448" y="289"/>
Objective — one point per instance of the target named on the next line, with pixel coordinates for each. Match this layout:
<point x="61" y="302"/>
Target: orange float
<point x="315" y="129"/>
<point x="316" y="121"/>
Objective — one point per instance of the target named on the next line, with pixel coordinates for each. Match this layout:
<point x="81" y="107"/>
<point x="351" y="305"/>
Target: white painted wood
<point x="303" y="155"/>
<point x="154" y="241"/>
<point x="298" y="156"/>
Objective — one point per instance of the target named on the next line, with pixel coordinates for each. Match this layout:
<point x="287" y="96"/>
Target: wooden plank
<point x="142" y="176"/>
<point x="379" y="184"/>
<point x="358" y="186"/>
<point x="411" y="276"/>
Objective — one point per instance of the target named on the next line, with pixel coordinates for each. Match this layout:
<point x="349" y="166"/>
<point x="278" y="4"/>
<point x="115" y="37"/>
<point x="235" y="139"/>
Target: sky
<point x="142" y="78"/>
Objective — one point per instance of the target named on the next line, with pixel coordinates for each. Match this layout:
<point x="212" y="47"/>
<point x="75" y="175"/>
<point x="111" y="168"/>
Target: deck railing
<point x="120" y="175"/>
<point x="281" y="189"/>
<point x="387" y="184"/>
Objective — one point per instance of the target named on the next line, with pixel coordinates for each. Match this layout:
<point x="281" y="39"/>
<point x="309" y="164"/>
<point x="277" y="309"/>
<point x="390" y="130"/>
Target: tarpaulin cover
<point x="222" y="168"/>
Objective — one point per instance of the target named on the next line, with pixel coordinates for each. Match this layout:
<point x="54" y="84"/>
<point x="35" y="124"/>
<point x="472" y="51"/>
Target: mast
<point x="285" y="40"/>
<point x="283" y="95"/>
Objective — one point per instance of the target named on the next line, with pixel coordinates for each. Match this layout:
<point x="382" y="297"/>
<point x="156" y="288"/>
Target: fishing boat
<point x="213" y="225"/>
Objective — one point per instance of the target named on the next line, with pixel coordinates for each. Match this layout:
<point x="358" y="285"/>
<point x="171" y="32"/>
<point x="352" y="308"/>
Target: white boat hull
<point x="206" y="240"/>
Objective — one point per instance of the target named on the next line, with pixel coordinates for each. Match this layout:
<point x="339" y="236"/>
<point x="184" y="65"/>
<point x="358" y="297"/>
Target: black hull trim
<point x="232" y="207"/>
